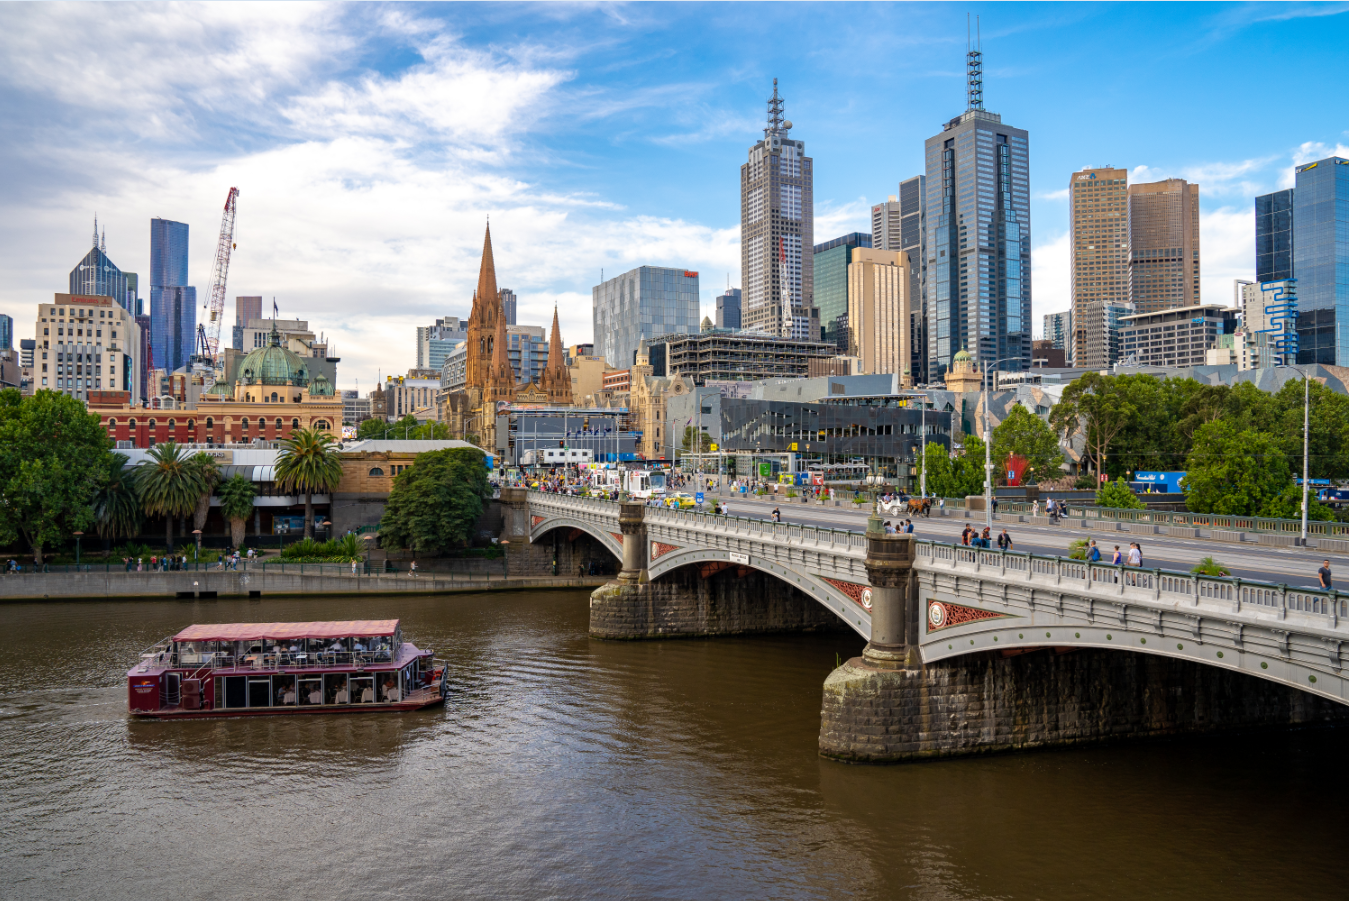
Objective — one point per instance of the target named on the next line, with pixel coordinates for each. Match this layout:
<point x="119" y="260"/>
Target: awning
<point x="252" y="473"/>
<point x="245" y="631"/>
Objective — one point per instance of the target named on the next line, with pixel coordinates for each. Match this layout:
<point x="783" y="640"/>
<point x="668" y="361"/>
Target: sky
<point x="371" y="143"/>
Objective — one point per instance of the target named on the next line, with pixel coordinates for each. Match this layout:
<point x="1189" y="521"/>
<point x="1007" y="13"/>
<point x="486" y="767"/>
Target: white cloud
<point x="1050" y="289"/>
<point x="1060" y="194"/>
<point x="1226" y="251"/>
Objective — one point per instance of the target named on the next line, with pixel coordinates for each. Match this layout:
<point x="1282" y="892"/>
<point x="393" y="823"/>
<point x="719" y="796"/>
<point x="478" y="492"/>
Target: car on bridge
<point x="680" y="500"/>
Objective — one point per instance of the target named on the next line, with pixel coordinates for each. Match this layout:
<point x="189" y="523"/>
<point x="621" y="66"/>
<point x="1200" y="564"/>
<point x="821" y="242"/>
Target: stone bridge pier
<point x="890" y="705"/>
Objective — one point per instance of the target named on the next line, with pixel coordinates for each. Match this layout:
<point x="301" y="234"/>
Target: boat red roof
<point x="244" y="631"/>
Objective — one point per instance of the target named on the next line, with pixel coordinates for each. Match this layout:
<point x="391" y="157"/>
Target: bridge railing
<point x="839" y="540"/>
<point x="1159" y="584"/>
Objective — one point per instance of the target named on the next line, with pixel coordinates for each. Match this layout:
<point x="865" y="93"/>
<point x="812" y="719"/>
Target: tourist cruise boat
<point x="250" y="669"/>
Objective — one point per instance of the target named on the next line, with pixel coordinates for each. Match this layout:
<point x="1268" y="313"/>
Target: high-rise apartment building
<point x="6" y="332"/>
<point x="728" y="309"/>
<point x="435" y="341"/>
<point x="173" y="304"/>
<point x="1163" y="245"/>
<point x="1098" y="224"/>
<point x="777" y="233"/>
<point x="646" y="303"/>
<point x="830" y="262"/>
<point x="508" y="304"/>
<point x="86" y="343"/>
<point x="245" y="308"/>
<point x="1059" y="330"/>
<point x="878" y="311"/>
<point x="913" y="241"/>
<point x="527" y="350"/>
<point x="1274" y="236"/>
<point x="1097" y="333"/>
<point x="96" y="275"/>
<point x="978" y="237"/>
<point x="1321" y="259"/>
<point x="885" y="228"/>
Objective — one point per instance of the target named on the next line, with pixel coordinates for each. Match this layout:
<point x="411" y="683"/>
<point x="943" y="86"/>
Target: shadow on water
<point x="566" y="767"/>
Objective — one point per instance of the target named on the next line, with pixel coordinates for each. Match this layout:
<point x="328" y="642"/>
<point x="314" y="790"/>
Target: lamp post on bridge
<point x="988" y="447"/>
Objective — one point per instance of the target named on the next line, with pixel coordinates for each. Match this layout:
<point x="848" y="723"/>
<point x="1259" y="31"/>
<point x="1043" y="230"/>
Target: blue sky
<point x="370" y="142"/>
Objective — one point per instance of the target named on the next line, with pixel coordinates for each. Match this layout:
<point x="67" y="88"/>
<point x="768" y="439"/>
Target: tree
<point x="236" y="505"/>
<point x="436" y="501"/>
<point x="950" y="475"/>
<point x="1024" y="434"/>
<point x="1095" y="405"/>
<point x="53" y="456"/>
<point x="409" y="427"/>
<point x="689" y="432"/>
<point x="117" y="505"/>
<point x="308" y="463"/>
<point x="209" y="474"/>
<point x="1119" y="495"/>
<point x="1234" y="473"/>
<point x="169" y="484"/>
<point x="1287" y="504"/>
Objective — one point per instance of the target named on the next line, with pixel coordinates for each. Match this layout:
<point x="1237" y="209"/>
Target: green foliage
<point x="436" y="501"/>
<point x="133" y="550"/>
<point x="1234" y="473"/>
<point x="170" y="484"/>
<point x="690" y="433"/>
<point x="236" y="497"/>
<point x="53" y="458"/>
<point x="1208" y="567"/>
<point x="1100" y="407"/>
<point x="117" y="505"/>
<point x="1024" y="434"/>
<point x="791" y="492"/>
<point x="308" y="463"/>
<point x="408" y="428"/>
<point x="336" y="550"/>
<point x="306" y="547"/>
<point x="1077" y="549"/>
<point x="1288" y="505"/>
<point x="208" y="474"/>
<point x="1119" y="495"/>
<point x="955" y="476"/>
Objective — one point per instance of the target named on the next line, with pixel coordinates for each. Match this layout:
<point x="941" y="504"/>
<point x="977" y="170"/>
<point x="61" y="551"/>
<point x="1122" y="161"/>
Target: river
<point x="570" y="768"/>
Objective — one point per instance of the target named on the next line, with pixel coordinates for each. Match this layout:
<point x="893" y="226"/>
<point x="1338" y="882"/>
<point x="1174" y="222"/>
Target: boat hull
<point x="179" y="713"/>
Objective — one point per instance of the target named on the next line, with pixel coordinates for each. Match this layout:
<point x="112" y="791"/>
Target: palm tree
<point x="236" y="503"/>
<point x="169" y="485"/>
<point x="308" y="463"/>
<point x="117" y="506"/>
<point x="210" y="474"/>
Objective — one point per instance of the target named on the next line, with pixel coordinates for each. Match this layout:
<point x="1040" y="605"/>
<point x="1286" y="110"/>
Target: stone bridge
<point x="968" y="649"/>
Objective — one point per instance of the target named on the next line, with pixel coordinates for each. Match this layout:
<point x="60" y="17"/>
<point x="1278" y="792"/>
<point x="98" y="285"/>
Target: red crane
<point x="215" y="304"/>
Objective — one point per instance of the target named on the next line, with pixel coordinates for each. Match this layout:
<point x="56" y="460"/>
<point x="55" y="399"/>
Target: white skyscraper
<point x="777" y="221"/>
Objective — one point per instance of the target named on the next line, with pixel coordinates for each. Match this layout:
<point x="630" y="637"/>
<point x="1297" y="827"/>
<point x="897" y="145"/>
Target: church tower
<point x="483" y="319"/>
<point x="555" y="379"/>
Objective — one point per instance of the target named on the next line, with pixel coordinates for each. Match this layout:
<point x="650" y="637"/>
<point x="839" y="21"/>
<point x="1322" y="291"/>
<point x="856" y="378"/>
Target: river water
<point x="570" y="768"/>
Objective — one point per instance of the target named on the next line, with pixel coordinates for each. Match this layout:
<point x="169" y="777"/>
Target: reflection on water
<point x="564" y="767"/>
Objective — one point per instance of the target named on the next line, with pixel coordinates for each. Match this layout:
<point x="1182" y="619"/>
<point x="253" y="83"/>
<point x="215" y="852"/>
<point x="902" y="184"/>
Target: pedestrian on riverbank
<point x="1035" y="508"/>
<point x="413" y="569"/>
<point x="1324" y="575"/>
<point x="1093" y="552"/>
<point x="1135" y="554"/>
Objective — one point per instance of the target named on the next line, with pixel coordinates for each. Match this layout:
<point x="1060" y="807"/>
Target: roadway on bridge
<point x="1294" y="566"/>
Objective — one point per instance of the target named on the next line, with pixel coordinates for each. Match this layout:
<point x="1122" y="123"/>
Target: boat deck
<point x="415" y="700"/>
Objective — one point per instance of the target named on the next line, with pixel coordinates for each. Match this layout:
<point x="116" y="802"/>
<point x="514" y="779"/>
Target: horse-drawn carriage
<point x="913" y="506"/>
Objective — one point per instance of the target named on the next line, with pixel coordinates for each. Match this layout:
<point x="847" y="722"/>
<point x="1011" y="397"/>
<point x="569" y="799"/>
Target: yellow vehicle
<point x="680" y="501"/>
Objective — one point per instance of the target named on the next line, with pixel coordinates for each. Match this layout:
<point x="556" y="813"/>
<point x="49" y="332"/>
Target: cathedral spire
<point x="555" y="379"/>
<point x="487" y="273"/>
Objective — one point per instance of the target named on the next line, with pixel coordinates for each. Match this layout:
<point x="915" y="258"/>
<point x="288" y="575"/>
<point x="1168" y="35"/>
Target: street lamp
<point x="988" y="448"/>
<point x="197" y="532"/>
<point x="505" y="558"/>
<point x="368" y="537"/>
<point x="79" y="535"/>
<point x="1306" y="433"/>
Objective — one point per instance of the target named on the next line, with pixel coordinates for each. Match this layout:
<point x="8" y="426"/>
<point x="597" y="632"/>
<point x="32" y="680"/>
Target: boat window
<point x="283" y="691"/>
<point x="362" y="689"/>
<point x="311" y="691"/>
<point x="335" y="689"/>
<point x="236" y="691"/>
<point x="260" y="691"/>
<point x="388" y="689"/>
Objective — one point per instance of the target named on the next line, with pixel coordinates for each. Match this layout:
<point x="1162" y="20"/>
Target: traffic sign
<point x="793" y="447"/>
<point x="698" y="497"/>
<point x="711" y="447"/>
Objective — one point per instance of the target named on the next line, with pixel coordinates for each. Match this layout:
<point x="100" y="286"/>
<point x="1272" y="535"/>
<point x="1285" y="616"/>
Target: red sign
<point x="1104" y="477"/>
<point x="688" y="274"/>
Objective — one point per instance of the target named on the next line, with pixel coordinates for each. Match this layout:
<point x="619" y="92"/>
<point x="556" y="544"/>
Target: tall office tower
<point x="728" y="309"/>
<point x="885" y="227"/>
<point x="245" y="308"/>
<point x="1321" y="259"/>
<point x="1059" y="330"/>
<point x="173" y="304"/>
<point x="1274" y="236"/>
<point x="777" y="223"/>
<point x="830" y="262"/>
<point x="646" y="303"/>
<point x="1098" y="274"/>
<point x="6" y="332"/>
<point x="913" y="241"/>
<point x="508" y="300"/>
<point x="1163" y="245"/>
<point x="978" y="237"/>
<point x="437" y="340"/>
<point x="878" y="311"/>
<point x="96" y="275"/>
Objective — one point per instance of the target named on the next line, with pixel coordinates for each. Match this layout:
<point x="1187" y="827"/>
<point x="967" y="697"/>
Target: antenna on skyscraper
<point x="95" y="230"/>
<point x="103" y="245"/>
<point x="774" y="112"/>
<point x="974" y="68"/>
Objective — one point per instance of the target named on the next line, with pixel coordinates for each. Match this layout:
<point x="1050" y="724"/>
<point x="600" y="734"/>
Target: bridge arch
<point x="828" y="593"/>
<point x="542" y="525"/>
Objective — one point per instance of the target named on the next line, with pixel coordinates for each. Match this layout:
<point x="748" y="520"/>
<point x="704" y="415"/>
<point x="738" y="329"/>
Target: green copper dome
<point x="321" y="387"/>
<point x="962" y="356"/>
<point x="273" y="365"/>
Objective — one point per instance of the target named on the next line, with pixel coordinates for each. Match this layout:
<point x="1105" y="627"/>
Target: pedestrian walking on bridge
<point x="1324" y="575"/>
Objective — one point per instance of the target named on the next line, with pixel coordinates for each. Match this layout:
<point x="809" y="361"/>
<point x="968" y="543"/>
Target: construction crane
<point x="215" y="304"/>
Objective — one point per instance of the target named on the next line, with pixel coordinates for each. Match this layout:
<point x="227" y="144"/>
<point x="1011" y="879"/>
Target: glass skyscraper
<point x="1274" y="236"/>
<point x="646" y="303"/>
<point x="831" y="261"/>
<point x="173" y="304"/>
<point x="6" y="332"/>
<point x="1321" y="261"/>
<point x="978" y="237"/>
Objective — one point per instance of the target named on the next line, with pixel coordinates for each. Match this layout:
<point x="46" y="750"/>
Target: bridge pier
<point x="889" y="706"/>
